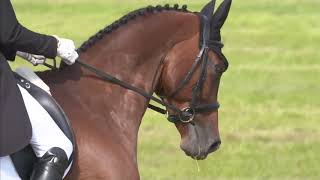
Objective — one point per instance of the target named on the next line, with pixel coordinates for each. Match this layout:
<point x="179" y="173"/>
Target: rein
<point x="107" y="77"/>
<point x="185" y="115"/>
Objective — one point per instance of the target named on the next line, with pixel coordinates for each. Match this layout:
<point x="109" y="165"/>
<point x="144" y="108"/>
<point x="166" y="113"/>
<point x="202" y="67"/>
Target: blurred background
<point x="269" y="120"/>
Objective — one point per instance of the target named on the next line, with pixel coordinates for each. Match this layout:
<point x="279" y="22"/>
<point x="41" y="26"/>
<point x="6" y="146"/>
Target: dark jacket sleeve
<point x="14" y="37"/>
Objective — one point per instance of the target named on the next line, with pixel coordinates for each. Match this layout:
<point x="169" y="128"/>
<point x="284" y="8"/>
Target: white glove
<point x="32" y="58"/>
<point x="66" y="50"/>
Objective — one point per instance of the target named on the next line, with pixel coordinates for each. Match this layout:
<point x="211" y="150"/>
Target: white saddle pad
<point x="28" y="74"/>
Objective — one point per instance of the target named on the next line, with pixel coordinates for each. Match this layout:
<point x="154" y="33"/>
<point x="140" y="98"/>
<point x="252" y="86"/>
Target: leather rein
<point x="185" y="115"/>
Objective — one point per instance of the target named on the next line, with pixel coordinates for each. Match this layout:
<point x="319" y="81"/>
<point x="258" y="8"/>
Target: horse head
<point x="190" y="82"/>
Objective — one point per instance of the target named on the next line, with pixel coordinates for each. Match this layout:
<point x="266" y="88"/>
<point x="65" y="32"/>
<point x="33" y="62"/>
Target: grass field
<point x="269" y="120"/>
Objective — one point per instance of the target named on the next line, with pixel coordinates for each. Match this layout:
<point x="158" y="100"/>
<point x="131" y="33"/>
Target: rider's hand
<point x="66" y="50"/>
<point x="32" y="58"/>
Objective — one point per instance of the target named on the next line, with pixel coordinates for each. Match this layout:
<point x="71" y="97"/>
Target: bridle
<point x="185" y="115"/>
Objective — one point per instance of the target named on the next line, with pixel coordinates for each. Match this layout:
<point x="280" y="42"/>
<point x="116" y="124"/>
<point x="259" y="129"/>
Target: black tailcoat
<point x="15" y="127"/>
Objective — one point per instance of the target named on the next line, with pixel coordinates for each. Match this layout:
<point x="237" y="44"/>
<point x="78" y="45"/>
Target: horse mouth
<point x="203" y="155"/>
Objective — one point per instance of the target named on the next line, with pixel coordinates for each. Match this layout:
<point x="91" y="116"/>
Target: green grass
<point x="269" y="120"/>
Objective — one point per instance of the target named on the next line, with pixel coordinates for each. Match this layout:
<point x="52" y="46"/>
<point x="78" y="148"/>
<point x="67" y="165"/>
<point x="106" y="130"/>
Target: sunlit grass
<point x="269" y="120"/>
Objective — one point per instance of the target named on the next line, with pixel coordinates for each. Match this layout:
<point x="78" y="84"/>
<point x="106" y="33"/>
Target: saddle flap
<point x="24" y="159"/>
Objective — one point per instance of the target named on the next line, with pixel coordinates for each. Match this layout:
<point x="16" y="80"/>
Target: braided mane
<point x="125" y="19"/>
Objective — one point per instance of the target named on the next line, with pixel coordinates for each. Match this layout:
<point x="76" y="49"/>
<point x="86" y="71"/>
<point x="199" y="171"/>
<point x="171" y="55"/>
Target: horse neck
<point x="133" y="53"/>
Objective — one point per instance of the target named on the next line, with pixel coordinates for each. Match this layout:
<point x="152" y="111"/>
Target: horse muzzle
<point x="198" y="152"/>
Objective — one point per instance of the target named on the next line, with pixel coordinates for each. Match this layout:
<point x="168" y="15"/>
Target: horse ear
<point x="208" y="9"/>
<point x="219" y="18"/>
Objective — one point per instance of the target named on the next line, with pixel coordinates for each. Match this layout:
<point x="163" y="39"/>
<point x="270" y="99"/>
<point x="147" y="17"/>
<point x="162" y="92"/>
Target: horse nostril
<point x="214" y="146"/>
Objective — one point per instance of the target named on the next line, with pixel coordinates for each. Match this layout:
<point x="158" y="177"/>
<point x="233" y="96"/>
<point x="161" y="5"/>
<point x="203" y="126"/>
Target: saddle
<point x="25" y="159"/>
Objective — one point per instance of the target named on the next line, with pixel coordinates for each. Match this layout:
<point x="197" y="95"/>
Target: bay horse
<point x="154" y="49"/>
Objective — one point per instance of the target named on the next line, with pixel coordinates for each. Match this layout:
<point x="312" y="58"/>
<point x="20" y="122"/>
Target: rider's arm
<point x="14" y="37"/>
